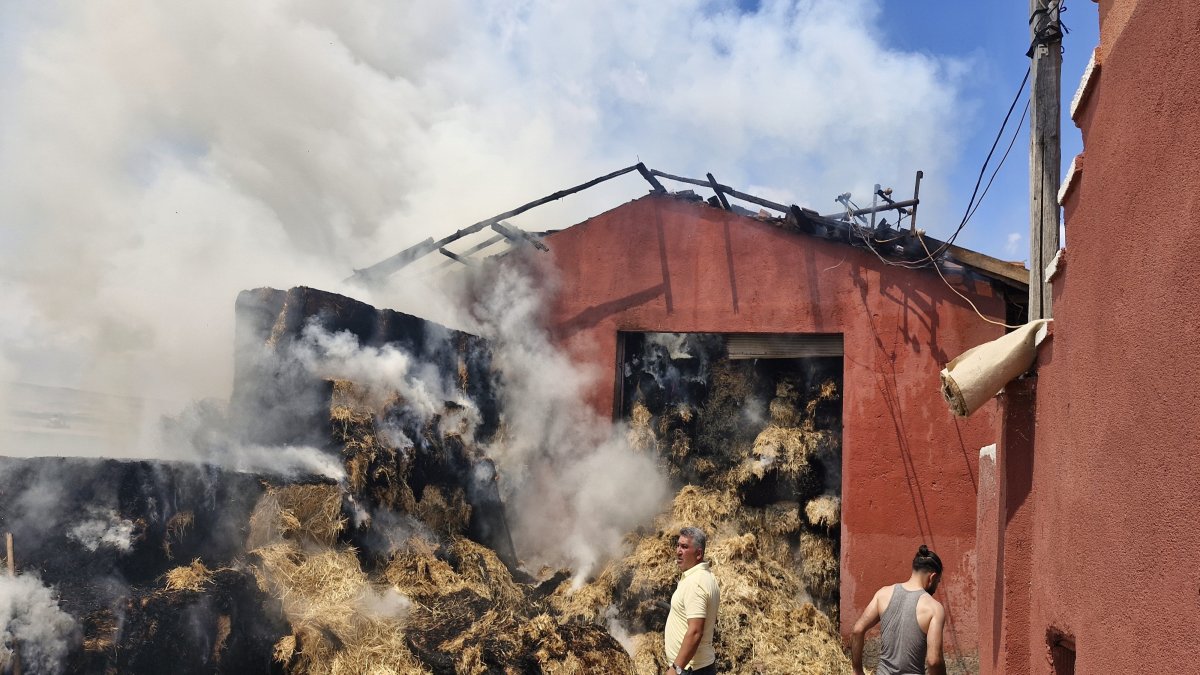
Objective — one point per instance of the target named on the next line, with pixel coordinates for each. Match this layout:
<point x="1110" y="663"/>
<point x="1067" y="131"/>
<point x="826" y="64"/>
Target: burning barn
<point x="443" y="501"/>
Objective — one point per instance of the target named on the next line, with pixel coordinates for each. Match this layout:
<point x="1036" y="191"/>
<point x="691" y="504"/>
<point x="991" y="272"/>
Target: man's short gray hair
<point x="697" y="537"/>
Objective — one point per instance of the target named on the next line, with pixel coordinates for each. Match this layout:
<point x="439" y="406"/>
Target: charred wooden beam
<point x="774" y="206"/>
<point x="383" y="269"/>
<point x="658" y="187"/>
<point x="516" y="234"/>
<point x="712" y="182"/>
<point x="458" y="258"/>
<point x="912" y="220"/>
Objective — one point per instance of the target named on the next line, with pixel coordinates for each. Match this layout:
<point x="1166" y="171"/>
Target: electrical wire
<point x="983" y="169"/>
<point x="1016" y="132"/>
<point x="976" y="197"/>
<point x="921" y="239"/>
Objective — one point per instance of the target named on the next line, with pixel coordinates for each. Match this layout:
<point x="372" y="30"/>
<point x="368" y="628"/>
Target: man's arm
<point x="691" y="641"/>
<point x="866" y="622"/>
<point x="934" y="663"/>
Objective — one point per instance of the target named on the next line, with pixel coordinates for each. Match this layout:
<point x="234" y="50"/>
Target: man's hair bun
<point x="927" y="560"/>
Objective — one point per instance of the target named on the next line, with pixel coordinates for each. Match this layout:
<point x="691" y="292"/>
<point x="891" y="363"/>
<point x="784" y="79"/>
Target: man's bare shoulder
<point x="883" y="596"/>
<point x="927" y="601"/>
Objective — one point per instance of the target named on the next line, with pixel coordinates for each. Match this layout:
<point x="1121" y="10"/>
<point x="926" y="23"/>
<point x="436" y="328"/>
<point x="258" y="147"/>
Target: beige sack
<point x="981" y="372"/>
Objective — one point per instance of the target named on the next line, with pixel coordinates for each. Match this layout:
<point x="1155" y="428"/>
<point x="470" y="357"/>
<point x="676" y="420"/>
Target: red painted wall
<point x="909" y="467"/>
<point x="1114" y="503"/>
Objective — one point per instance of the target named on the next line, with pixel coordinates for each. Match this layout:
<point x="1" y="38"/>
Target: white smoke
<point x="103" y="527"/>
<point x="288" y="461"/>
<point x="573" y="483"/>
<point x="30" y="615"/>
<point x="388" y="603"/>
<point x="158" y="157"/>
<point x="382" y="371"/>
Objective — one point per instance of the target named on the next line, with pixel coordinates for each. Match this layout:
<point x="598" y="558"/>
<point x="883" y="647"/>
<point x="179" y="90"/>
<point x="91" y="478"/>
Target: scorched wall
<point x="909" y="467"/>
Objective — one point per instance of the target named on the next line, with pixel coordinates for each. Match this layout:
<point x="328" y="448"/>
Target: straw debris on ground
<point x="439" y="602"/>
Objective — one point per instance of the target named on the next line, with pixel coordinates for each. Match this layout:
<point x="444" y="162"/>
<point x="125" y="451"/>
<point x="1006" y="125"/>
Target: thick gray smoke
<point x="29" y="614"/>
<point x="574" y="484"/>
<point x="158" y="157"/>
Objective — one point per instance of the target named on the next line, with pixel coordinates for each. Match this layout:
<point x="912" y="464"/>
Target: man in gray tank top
<point x="911" y="623"/>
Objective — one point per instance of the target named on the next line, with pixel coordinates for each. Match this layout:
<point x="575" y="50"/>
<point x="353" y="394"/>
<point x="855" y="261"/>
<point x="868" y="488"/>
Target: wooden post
<point x="1045" y="152"/>
<point x="12" y="572"/>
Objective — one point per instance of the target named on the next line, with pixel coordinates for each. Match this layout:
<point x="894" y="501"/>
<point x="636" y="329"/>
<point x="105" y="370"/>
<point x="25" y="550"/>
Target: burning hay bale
<point x="374" y="467"/>
<point x="444" y="511"/>
<point x="340" y="621"/>
<point x="299" y="512"/>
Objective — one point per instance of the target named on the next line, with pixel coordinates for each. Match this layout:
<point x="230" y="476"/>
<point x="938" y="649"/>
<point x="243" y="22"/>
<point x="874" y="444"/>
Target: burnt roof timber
<point x="388" y="266"/>
<point x="805" y="220"/>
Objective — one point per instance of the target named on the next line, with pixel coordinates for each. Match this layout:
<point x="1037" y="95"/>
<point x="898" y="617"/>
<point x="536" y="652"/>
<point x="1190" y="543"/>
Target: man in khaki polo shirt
<point x="689" y="632"/>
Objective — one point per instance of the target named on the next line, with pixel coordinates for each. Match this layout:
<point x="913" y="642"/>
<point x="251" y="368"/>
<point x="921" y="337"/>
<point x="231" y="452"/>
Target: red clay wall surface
<point x="909" y="467"/>
<point x="1115" y="474"/>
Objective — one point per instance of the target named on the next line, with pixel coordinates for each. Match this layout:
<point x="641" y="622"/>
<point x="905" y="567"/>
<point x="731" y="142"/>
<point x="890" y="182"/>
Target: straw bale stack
<point x="767" y="558"/>
<point x="824" y="511"/>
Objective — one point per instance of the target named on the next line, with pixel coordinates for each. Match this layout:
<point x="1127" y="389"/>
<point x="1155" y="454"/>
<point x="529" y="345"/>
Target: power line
<point x="1016" y="132"/>
<point x="972" y="203"/>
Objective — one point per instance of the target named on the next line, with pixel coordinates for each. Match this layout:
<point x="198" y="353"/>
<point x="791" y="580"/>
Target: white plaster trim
<point x="1085" y="84"/>
<point x="1056" y="263"/>
<point x="988" y="452"/>
<point x="1073" y="172"/>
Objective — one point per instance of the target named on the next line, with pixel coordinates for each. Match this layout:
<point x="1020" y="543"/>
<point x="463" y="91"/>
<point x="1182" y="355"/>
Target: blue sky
<point x="994" y="36"/>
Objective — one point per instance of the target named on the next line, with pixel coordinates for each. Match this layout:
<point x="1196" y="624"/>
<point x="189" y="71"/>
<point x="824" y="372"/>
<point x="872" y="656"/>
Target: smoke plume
<point x="30" y="616"/>
<point x="157" y="158"/>
<point x="574" y="484"/>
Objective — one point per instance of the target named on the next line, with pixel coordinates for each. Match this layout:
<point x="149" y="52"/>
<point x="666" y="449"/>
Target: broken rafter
<point x="649" y="176"/>
<point x="514" y="233"/>
<point x="454" y="256"/>
<point x="774" y="206"/>
<point x="712" y="182"/>
<point x="384" y="268"/>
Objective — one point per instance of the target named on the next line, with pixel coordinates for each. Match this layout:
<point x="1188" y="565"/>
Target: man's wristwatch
<point x="677" y="669"/>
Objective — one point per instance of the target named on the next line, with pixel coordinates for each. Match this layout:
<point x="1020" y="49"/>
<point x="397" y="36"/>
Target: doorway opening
<point x="758" y="414"/>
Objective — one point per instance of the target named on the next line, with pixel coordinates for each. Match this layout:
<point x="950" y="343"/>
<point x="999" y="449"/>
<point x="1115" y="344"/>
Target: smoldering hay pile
<point x="417" y="573"/>
<point x="769" y="555"/>
<point x="406" y="564"/>
<point x="403" y="590"/>
<point x="434" y="600"/>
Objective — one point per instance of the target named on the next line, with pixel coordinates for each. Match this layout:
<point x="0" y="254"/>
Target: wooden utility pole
<point x="1045" y="150"/>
